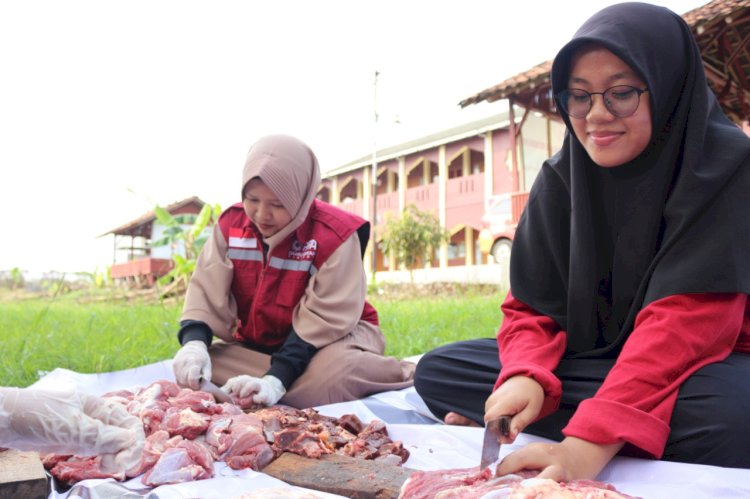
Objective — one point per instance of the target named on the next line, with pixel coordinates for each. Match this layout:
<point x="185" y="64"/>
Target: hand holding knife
<point x="493" y="431"/>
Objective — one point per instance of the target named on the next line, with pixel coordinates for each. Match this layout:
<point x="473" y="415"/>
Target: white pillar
<point x="442" y="192"/>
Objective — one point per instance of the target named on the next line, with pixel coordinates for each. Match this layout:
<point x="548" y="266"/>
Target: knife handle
<point x="505" y="425"/>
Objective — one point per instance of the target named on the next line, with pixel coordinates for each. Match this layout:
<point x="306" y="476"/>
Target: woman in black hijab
<point x="627" y="327"/>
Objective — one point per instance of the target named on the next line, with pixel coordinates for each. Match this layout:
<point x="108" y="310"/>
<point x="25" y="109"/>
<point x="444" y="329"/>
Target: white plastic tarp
<point x="431" y="445"/>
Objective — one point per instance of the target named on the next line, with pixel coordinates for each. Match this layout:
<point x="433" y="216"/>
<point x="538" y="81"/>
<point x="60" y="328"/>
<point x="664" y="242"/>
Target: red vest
<point x="267" y="292"/>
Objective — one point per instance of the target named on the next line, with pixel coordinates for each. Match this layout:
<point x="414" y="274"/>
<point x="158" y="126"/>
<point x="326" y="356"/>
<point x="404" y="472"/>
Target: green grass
<point x="418" y="325"/>
<point x="39" y="335"/>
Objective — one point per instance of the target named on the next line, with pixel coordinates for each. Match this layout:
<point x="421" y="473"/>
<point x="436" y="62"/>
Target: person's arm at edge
<point x="635" y="406"/>
<point x="531" y="345"/>
<point x="209" y="307"/>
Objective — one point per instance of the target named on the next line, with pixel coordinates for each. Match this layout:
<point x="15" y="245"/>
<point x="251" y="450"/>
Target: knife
<point x="218" y="393"/>
<point x="493" y="430"/>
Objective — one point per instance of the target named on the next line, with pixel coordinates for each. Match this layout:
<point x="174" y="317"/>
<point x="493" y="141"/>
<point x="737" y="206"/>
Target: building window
<point x="457" y="250"/>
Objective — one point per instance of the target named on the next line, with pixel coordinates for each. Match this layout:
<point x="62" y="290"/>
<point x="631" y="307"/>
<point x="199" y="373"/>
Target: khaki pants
<point x="348" y="369"/>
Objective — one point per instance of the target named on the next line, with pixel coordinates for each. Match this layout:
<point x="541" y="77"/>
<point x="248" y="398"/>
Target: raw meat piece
<point x="249" y="447"/>
<point x="533" y="488"/>
<point x="119" y="396"/>
<point x="351" y="423"/>
<point x="250" y="450"/>
<point x="157" y="393"/>
<point x="184" y="422"/>
<point x="373" y="442"/>
<point x="427" y="484"/>
<point x="150" y="416"/>
<point x="470" y="483"/>
<point x="278" y="417"/>
<point x="245" y="403"/>
<point x="218" y="435"/>
<point x="230" y="409"/>
<point x="224" y="432"/>
<point x="197" y="401"/>
<point x="156" y="444"/>
<point x="332" y="432"/>
<point x="302" y="441"/>
<point x="50" y="460"/>
<point x="77" y="468"/>
<point x="184" y="462"/>
<point x="149" y="404"/>
<point x="247" y="422"/>
<point x="279" y="493"/>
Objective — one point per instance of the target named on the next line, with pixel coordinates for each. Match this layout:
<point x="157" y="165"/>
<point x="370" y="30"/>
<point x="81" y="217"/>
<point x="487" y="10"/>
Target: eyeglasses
<point x="620" y="100"/>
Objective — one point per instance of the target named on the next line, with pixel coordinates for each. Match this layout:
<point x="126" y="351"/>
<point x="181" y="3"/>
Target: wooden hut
<point x="136" y="262"/>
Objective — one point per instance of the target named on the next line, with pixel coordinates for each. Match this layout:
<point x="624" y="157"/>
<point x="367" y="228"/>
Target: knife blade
<point x="220" y="395"/>
<point x="493" y="430"/>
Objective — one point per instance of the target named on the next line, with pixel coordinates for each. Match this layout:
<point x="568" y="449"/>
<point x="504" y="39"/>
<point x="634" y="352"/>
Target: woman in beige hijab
<point x="281" y="285"/>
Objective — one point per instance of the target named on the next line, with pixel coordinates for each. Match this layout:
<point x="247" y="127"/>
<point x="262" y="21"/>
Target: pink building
<point x="455" y="174"/>
<point x="451" y="174"/>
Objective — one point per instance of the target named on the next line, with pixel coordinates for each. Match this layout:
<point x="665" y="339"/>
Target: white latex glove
<point x="268" y="390"/>
<point x="191" y="364"/>
<point x="69" y="422"/>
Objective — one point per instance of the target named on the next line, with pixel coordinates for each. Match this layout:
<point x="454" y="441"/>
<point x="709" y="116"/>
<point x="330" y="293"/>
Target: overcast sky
<point x="108" y="108"/>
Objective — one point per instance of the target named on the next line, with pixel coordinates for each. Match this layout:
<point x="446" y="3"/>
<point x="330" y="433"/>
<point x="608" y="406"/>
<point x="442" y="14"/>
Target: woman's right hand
<point x="521" y="398"/>
<point x="191" y="364"/>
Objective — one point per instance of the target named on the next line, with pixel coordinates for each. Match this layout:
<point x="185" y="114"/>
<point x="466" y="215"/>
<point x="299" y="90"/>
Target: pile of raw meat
<point x="187" y="431"/>
<point x="470" y="483"/>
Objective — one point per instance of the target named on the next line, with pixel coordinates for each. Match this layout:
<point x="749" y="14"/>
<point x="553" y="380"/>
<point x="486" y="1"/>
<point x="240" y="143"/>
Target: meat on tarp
<point x="187" y="431"/>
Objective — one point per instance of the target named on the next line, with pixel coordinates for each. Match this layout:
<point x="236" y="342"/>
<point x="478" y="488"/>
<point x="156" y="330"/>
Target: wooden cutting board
<point x="342" y="475"/>
<point x="22" y="475"/>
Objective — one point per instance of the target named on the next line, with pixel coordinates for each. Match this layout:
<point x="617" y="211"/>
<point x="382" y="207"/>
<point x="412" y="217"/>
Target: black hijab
<point x="595" y="245"/>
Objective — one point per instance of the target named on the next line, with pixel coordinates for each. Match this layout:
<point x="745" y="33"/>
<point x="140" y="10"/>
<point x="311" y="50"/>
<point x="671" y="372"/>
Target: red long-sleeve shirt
<point x="672" y="338"/>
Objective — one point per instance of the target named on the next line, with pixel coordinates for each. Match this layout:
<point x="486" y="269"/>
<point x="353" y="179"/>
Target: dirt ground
<point x="437" y="289"/>
<point x="383" y="291"/>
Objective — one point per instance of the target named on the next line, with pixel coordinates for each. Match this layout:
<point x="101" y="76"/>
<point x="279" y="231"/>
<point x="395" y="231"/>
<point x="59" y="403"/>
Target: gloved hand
<point x="69" y="422"/>
<point x="191" y="364"/>
<point x="268" y="390"/>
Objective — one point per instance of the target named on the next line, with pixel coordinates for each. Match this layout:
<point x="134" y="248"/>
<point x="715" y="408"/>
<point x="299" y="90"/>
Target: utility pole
<point x="374" y="180"/>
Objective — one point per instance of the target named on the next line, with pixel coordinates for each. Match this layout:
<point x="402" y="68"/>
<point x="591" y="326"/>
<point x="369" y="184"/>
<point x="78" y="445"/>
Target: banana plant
<point x="187" y="230"/>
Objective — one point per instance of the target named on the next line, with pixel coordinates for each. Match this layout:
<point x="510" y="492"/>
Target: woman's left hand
<point x="264" y="391"/>
<point x="571" y="459"/>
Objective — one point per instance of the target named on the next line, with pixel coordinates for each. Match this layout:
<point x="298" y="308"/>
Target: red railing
<point x="149" y="269"/>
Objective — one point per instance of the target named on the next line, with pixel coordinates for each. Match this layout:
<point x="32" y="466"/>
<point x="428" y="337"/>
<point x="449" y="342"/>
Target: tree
<point x="188" y="232"/>
<point x="413" y="237"/>
<point x="16" y="278"/>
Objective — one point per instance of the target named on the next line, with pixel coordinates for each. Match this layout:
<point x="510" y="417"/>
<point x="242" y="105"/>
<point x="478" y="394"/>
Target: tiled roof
<point x="712" y="10"/>
<point x="721" y="27"/>
<point x="529" y="79"/>
<point x="133" y="228"/>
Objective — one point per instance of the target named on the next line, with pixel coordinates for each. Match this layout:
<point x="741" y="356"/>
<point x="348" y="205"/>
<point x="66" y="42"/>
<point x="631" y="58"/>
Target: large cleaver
<point x="493" y="430"/>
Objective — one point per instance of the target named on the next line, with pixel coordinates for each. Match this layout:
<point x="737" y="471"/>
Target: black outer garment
<point x="708" y="424"/>
<point x="596" y="245"/>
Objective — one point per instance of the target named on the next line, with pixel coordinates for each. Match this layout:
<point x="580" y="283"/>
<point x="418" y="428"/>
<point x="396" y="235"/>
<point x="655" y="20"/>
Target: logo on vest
<point x="304" y="252"/>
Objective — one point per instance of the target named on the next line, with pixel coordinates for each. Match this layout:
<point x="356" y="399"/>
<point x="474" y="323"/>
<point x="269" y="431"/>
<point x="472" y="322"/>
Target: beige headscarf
<point x="290" y="169"/>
